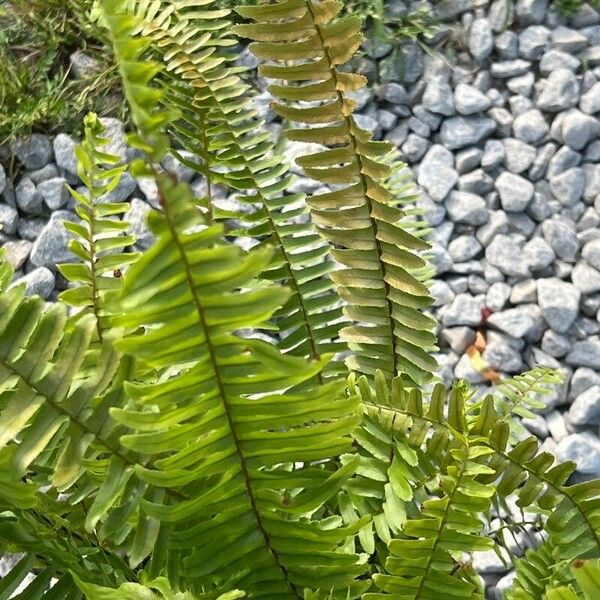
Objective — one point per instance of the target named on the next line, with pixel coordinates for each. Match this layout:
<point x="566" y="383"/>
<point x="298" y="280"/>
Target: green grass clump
<point x="37" y="91"/>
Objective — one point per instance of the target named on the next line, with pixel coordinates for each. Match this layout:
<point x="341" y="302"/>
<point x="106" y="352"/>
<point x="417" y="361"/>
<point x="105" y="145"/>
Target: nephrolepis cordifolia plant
<point x="204" y="421"/>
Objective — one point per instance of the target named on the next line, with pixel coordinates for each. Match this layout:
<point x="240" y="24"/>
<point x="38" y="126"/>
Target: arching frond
<point x="231" y="148"/>
<point x="221" y="426"/>
<point x="305" y="44"/>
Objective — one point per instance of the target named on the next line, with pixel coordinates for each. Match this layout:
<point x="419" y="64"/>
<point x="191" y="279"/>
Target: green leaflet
<point x="304" y="43"/>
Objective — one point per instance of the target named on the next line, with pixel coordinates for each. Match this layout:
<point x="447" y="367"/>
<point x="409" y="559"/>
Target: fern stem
<point x="363" y="182"/>
<point x="212" y="353"/>
<point x="93" y="257"/>
<point x="444" y="518"/>
<point x="206" y="166"/>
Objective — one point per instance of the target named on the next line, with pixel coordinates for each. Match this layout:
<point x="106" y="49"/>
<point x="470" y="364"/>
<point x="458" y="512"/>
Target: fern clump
<point x="203" y="421"/>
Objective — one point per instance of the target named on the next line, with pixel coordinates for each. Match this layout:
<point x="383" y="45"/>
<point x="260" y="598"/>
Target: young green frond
<point x="100" y="237"/>
<point x="305" y="44"/>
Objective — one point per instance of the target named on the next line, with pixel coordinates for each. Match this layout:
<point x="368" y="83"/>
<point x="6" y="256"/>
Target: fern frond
<point x="537" y="571"/>
<point x="586" y="585"/>
<point x="520" y="471"/>
<point x="360" y="217"/>
<point x="42" y="389"/>
<point x="137" y="75"/>
<point x="45" y="584"/>
<point x="156" y="589"/>
<point x="220" y="128"/>
<point x="220" y="425"/>
<point x="422" y="562"/>
<point x="100" y="238"/>
<point x="520" y="394"/>
<point x="391" y="474"/>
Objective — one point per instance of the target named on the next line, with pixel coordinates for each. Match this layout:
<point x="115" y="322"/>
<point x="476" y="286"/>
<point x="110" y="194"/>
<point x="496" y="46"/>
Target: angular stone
<point x="515" y="322"/>
<point x="585" y="353"/>
<point x="34" y="151"/>
<point x="458" y="132"/>
<point x="501" y="355"/>
<point x="468" y="159"/>
<point x="592" y="183"/>
<point x="510" y="68"/>
<point x="578" y="129"/>
<point x="590" y="101"/>
<point x="567" y="187"/>
<point x="438" y="97"/>
<point x="83" y="65"/>
<point x="64" y="152"/>
<point x="568" y="40"/>
<point x="464" y="207"/>
<point x="50" y="248"/>
<point x="414" y="147"/>
<point x="394" y="93"/>
<point x="519" y="155"/>
<point x="583" y="449"/>
<point x="539" y="166"/>
<point x="17" y="252"/>
<point x="29" y="200"/>
<point x="504" y="253"/>
<point x="559" y="302"/>
<point x="469" y="100"/>
<point x="463" y="248"/>
<point x="493" y="154"/>
<point x="522" y="84"/>
<point x="585" y="409"/>
<point x="561" y="235"/>
<point x="39" y="282"/>
<point x="441" y="293"/>
<point x="524" y="292"/>
<point x="585" y="278"/>
<point x="9" y="219"/>
<point x="531" y="11"/>
<point x="481" y="39"/>
<point x="533" y="41"/>
<point x="555" y="344"/>
<point x="555" y="59"/>
<point x="515" y="192"/>
<point x="530" y="126"/>
<point x="564" y="159"/>
<point x="464" y="310"/>
<point x="436" y="172"/>
<point x="458" y="338"/>
<point x="591" y="253"/>
<point x="54" y="192"/>
<point x="497" y="296"/>
<point x="560" y="92"/>
<point x="137" y="216"/>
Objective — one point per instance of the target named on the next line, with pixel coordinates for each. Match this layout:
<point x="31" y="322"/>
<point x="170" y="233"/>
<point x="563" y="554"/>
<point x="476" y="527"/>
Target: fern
<point x="360" y="216"/>
<point x="154" y="445"/>
<point x="233" y="150"/>
<point x="99" y="240"/>
<point x="219" y="446"/>
<point x="519" y="395"/>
